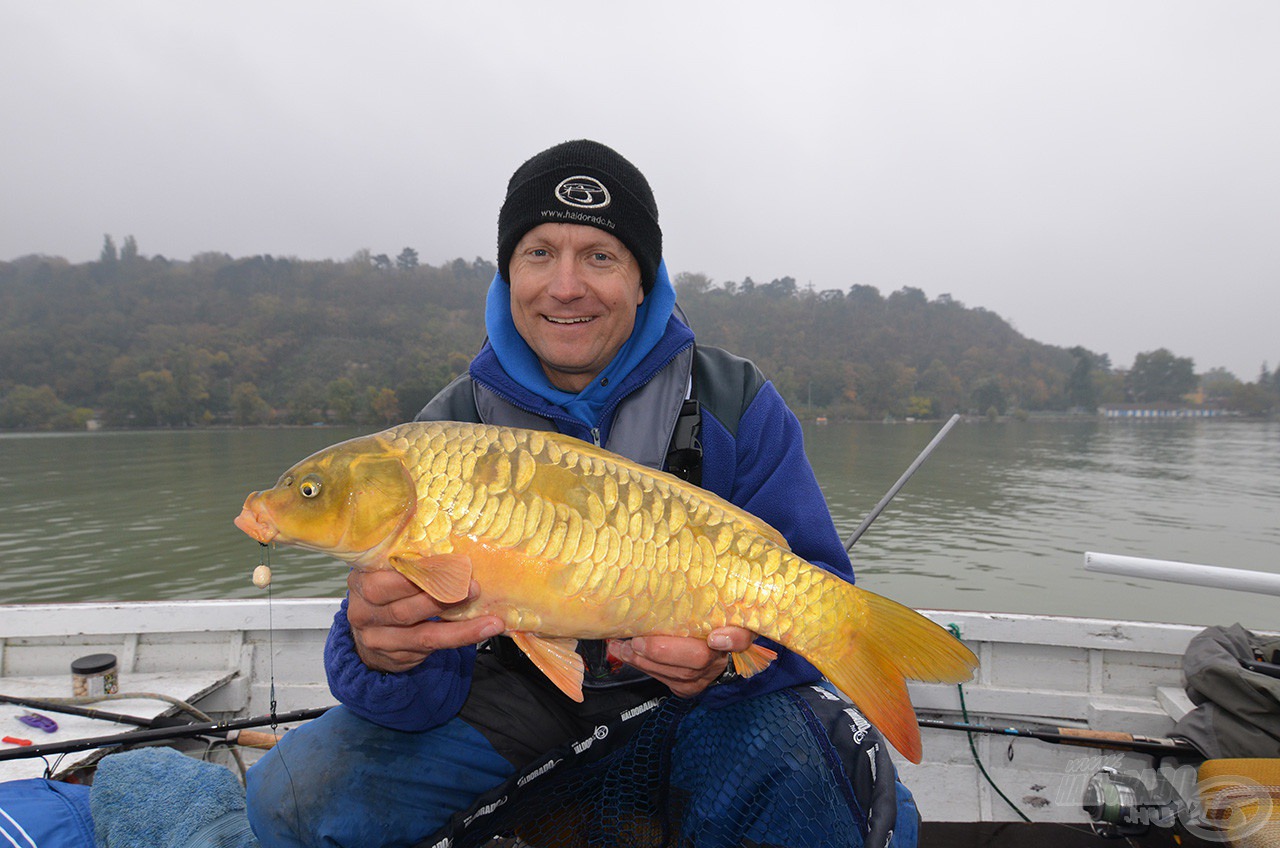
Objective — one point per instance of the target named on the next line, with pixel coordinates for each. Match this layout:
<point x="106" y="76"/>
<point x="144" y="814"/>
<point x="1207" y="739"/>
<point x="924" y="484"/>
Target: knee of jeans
<point x="290" y="800"/>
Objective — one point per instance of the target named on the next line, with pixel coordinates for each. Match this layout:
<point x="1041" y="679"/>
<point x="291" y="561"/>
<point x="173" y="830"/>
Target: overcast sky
<point x="1097" y="172"/>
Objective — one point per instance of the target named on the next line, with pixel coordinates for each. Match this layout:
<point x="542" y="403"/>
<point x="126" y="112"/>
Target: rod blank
<point x="902" y="481"/>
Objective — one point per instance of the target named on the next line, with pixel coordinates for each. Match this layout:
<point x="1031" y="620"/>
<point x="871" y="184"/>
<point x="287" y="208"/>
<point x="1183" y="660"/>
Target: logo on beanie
<point x="583" y="192"/>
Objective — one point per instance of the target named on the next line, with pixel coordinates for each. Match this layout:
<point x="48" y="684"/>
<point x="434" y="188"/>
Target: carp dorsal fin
<point x="558" y="659"/>
<point x="445" y="577"/>
<point x="687" y="490"/>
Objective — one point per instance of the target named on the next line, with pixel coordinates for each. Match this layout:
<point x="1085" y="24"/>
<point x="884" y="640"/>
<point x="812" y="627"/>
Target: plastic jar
<point x="95" y="674"/>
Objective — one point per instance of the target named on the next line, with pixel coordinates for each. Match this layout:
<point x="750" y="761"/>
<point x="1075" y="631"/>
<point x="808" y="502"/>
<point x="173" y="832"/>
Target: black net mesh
<point x="792" y="768"/>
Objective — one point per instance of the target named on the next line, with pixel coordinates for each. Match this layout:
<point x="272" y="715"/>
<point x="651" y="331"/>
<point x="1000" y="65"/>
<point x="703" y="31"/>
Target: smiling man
<point x="574" y="295"/>
<point x="584" y="338"/>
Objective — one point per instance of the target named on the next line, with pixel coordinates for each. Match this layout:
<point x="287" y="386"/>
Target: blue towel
<point x="158" y="798"/>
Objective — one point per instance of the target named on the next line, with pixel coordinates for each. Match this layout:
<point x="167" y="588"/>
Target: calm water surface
<point x="998" y="518"/>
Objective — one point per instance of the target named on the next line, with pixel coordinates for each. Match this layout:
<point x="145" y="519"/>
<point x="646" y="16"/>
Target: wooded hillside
<point x="136" y="341"/>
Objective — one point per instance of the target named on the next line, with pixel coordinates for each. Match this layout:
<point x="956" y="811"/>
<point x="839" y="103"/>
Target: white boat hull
<point x="1037" y="671"/>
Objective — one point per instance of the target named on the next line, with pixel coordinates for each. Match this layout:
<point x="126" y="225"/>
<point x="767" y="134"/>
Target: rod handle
<point x="253" y="739"/>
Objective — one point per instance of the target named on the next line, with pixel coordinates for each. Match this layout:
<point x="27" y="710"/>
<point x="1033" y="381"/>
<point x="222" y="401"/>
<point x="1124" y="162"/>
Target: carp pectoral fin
<point x="445" y="577"/>
<point x="558" y="659"/>
<point x="753" y="660"/>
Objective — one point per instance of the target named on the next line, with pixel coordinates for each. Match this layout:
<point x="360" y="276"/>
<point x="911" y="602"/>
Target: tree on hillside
<point x="31" y="408"/>
<point x="1159" y="376"/>
<point x="1252" y="399"/>
<point x="1081" y="390"/>
<point x="407" y="260"/>
<point x="990" y="395"/>
<point x="1218" y="385"/>
<point x="385" y="405"/>
<point x="109" y="254"/>
<point x="247" y="405"/>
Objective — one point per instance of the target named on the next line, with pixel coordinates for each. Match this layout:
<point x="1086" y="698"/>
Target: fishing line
<point x="271" y="673"/>
<point x="973" y="748"/>
<point x="271" y="641"/>
<point x="964" y="711"/>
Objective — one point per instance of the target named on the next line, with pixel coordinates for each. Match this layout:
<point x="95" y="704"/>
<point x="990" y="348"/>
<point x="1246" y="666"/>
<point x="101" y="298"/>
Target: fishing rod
<point x="1154" y="745"/>
<point x="158" y="734"/>
<point x="902" y="481"/>
<point x="244" y="738"/>
<point x="86" y="712"/>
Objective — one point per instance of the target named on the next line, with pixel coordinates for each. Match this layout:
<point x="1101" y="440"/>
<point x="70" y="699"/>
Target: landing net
<point x="798" y="768"/>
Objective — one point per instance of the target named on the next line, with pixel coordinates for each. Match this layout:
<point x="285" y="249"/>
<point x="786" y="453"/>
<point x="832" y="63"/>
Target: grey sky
<point x="1098" y="173"/>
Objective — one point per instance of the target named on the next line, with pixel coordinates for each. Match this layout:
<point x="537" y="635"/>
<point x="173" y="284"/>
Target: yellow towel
<point x="1242" y="797"/>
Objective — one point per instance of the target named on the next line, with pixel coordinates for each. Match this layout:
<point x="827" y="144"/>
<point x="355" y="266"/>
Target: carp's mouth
<point x="255" y="524"/>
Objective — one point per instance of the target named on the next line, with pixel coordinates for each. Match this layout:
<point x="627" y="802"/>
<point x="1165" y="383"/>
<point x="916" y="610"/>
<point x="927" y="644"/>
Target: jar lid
<point x="94" y="664"/>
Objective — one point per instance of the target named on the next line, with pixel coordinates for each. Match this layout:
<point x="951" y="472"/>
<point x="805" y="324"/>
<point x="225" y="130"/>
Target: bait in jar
<point x="95" y="674"/>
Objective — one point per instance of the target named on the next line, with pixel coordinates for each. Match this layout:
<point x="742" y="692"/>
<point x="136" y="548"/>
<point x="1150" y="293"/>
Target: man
<point x="582" y="339"/>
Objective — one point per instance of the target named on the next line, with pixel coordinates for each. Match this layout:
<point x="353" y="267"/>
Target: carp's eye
<point x="309" y="487"/>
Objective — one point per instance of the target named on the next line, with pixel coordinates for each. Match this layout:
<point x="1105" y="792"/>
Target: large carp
<point x="568" y="541"/>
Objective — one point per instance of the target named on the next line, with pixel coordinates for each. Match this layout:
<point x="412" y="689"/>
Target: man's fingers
<point x="402" y="648"/>
<point x="380" y="587"/>
<point x="686" y="665"/>
<point x="432" y="635"/>
<point x="673" y="651"/>
<point x="386" y="598"/>
<point x="730" y="639"/>
<point x="668" y="673"/>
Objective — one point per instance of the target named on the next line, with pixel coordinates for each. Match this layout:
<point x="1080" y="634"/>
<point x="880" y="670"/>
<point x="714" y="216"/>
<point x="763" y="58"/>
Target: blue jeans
<point x="779" y="769"/>
<point x="342" y="781"/>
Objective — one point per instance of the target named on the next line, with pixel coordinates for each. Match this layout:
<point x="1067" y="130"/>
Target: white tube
<point x="1239" y="579"/>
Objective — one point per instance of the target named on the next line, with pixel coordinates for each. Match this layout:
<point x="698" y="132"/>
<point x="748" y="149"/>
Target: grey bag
<point x="1238" y="712"/>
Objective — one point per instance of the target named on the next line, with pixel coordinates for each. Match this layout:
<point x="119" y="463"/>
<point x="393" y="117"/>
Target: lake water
<point x="997" y="519"/>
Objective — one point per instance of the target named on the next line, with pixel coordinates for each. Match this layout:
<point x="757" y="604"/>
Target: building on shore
<point x="1158" y="410"/>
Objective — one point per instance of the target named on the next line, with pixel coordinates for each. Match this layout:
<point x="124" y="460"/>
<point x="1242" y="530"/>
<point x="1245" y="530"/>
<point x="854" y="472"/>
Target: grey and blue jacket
<point x="752" y="455"/>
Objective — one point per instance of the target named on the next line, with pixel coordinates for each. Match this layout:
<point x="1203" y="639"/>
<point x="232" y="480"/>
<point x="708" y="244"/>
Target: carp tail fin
<point x="883" y="648"/>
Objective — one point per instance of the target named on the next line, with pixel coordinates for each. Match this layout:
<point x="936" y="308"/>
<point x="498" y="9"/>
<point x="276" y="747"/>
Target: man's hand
<point x="390" y="624"/>
<point x="685" y="664"/>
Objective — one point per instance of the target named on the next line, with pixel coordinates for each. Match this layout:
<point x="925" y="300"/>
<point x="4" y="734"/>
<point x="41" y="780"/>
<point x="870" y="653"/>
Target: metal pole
<point x="1215" y="577"/>
<point x="902" y="481"/>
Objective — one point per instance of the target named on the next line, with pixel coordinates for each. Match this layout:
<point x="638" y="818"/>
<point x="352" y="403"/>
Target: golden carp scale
<point x="615" y="534"/>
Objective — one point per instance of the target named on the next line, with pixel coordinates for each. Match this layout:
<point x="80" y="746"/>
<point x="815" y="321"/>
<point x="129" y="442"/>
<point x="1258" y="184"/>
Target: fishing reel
<point x="1122" y="805"/>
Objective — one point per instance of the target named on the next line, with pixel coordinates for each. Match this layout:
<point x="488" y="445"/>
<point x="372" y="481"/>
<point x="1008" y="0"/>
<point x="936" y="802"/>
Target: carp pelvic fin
<point x="753" y="660"/>
<point x="445" y="577"/>
<point x="558" y="659"/>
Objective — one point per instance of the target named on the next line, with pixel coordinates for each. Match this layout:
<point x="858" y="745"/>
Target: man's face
<point x="574" y="294"/>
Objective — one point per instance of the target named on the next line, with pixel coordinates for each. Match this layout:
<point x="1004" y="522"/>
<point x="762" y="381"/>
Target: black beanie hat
<point x="582" y="182"/>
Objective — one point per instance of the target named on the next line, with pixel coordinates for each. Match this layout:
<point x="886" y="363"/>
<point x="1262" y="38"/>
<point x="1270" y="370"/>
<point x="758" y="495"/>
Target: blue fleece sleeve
<point x="769" y="475"/>
<point x="776" y="483"/>
<point x="423" y="697"/>
<point x="763" y="469"/>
